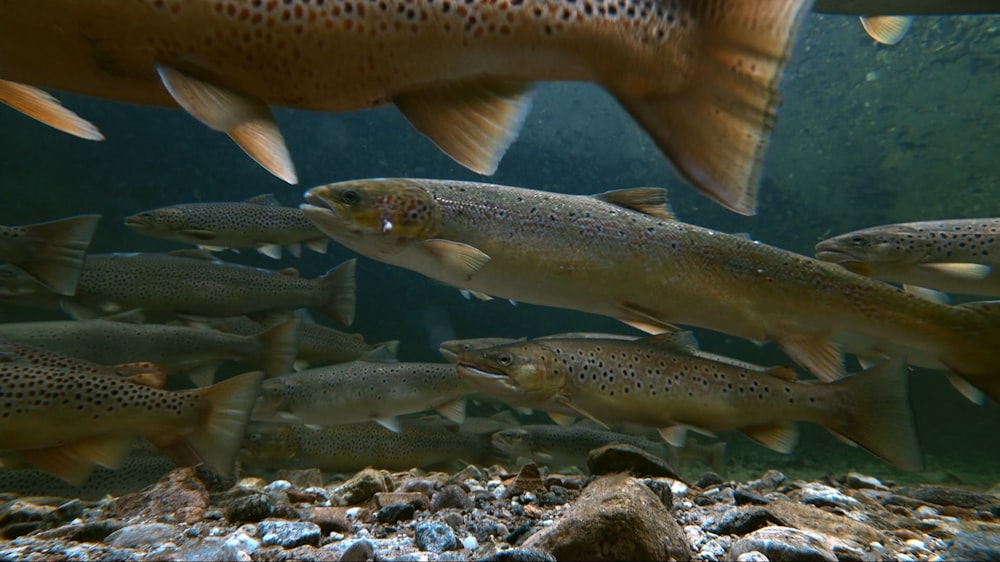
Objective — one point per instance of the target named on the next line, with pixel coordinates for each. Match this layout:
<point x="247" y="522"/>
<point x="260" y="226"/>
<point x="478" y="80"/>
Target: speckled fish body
<point x="64" y="423"/>
<point x="173" y="348"/>
<point x="956" y="256"/>
<point x="41" y="358"/>
<point x="351" y="447"/>
<point x="560" y="446"/>
<point x="363" y="391"/>
<point x="167" y="285"/>
<point x="260" y="223"/>
<point x="699" y="75"/>
<point x="657" y="383"/>
<point x="621" y="254"/>
<point x="50" y="252"/>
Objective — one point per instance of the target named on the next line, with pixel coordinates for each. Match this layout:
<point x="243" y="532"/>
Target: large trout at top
<point x="700" y="76"/>
<point x="621" y="254"/>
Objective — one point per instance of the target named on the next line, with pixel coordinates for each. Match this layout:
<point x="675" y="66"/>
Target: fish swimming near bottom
<point x="955" y="256"/>
<point x="51" y="252"/>
<point x="657" y="382"/>
<point x="65" y="423"/>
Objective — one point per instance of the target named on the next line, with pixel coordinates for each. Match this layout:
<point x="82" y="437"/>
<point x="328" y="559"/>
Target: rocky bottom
<point x="632" y="507"/>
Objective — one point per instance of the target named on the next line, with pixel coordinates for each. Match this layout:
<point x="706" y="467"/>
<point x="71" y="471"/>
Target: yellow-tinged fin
<point x="272" y="251"/>
<point x="280" y="346"/>
<point x="473" y="122"/>
<point x="217" y="439"/>
<point x="887" y="30"/>
<point x="779" y="436"/>
<point x="341" y="289"/>
<point x="73" y="461"/>
<point x="391" y="423"/>
<point x="676" y="435"/>
<point x="562" y="419"/>
<point x="318" y="245"/>
<point x="873" y="410"/>
<point x="246" y="120"/>
<point x="817" y="353"/>
<point x="567" y="403"/>
<point x="650" y="201"/>
<point x="456" y="256"/>
<point x="682" y="341"/>
<point x="39" y="105"/>
<point x="970" y="271"/>
<point x="54" y="251"/>
<point x="641" y="320"/>
<point x="932" y="295"/>
<point x="971" y="393"/>
<point x="715" y="129"/>
<point x="783" y="373"/>
<point x="453" y="410"/>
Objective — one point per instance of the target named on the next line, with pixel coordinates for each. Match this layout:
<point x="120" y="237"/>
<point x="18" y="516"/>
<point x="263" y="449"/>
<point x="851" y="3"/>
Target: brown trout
<point x="50" y="252"/>
<point x="622" y="254"/>
<point x="64" y="423"/>
<point x="955" y="256"/>
<point x="700" y="76"/>
<point x="259" y="222"/>
<point x="141" y="372"/>
<point x="655" y="381"/>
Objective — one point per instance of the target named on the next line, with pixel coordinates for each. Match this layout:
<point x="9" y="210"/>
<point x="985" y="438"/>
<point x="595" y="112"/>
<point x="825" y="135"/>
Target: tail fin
<point x="280" y="348"/>
<point x="887" y="30"/>
<point x="875" y="413"/>
<point x="715" y="127"/>
<point x="56" y="250"/>
<point x="340" y="288"/>
<point x="218" y="439"/>
<point x="975" y="360"/>
<point x="384" y="352"/>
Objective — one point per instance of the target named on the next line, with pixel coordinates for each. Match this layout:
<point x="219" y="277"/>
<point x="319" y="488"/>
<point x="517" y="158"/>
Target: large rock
<point x="784" y="543"/>
<point x="180" y="497"/>
<point x="615" y="518"/>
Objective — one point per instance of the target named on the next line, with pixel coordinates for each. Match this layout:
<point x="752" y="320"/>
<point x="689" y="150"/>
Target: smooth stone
<point x="620" y="457"/>
<point x="92" y="531"/>
<point x="209" y="550"/>
<point x="519" y="555"/>
<point x="859" y="481"/>
<point x="288" y="534"/>
<point x="358" y="551"/>
<point x="450" y="497"/>
<point x="767" y="483"/>
<point x="434" y="537"/>
<point x="945" y="495"/>
<point x="329" y="519"/>
<point x="741" y="520"/>
<point x="974" y="547"/>
<point x="784" y="544"/>
<point x="392" y="514"/>
<point x="707" y="480"/>
<point x="821" y="495"/>
<point x="245" y="505"/>
<point x="752" y="556"/>
<point x="616" y="518"/>
<point x="743" y="497"/>
<point x="364" y="485"/>
<point x="417" y="499"/>
<point x="142" y="534"/>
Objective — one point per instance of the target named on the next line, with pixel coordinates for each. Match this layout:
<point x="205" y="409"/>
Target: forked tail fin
<point x="55" y="251"/>
<point x="340" y="288"/>
<point x="715" y="128"/>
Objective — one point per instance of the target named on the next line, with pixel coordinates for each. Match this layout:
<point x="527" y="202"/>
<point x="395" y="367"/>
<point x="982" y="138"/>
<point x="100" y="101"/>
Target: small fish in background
<point x="50" y="252"/>
<point x="141" y="372"/>
<point x="352" y="447"/>
<point x="568" y="446"/>
<point x="317" y="344"/>
<point x="193" y="283"/>
<point x="64" y="423"/>
<point x="124" y="338"/>
<point x="699" y="76"/>
<point x="363" y="391"/>
<point x="887" y="21"/>
<point x="955" y="256"/>
<point x="657" y="382"/>
<point x="259" y="222"/>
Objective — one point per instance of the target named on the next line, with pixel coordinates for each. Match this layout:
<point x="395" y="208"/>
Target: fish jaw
<point x="517" y="373"/>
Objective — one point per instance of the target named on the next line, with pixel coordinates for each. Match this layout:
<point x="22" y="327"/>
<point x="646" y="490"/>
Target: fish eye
<point x="504" y="359"/>
<point x="350" y="197"/>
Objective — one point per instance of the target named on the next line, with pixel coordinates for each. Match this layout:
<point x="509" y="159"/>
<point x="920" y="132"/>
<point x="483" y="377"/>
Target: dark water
<point x="866" y="135"/>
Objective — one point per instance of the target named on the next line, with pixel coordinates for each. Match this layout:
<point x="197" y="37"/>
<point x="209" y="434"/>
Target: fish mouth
<point x="471" y="372"/>
<point x="832" y="253"/>
<point x="135" y="221"/>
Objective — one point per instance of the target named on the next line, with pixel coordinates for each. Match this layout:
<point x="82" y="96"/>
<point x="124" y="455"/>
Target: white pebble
<point x="916" y="544"/>
<point x="470" y="543"/>
<point x="278" y="486"/>
<point x="678" y="488"/>
<point x="752" y="556"/>
<point x="927" y="511"/>
<point x="903" y="557"/>
<point x="353" y="513"/>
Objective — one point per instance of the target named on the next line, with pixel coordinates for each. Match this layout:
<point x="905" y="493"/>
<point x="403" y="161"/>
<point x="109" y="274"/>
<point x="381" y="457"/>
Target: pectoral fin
<point x="454" y="410"/>
<point x="642" y="320"/>
<point x="40" y="105"/>
<point x="272" y="251"/>
<point x="391" y="423"/>
<point x="246" y="120"/>
<point x="473" y="122"/>
<point x="565" y="402"/>
<point x="457" y="257"/>
<point x="970" y="271"/>
<point x="887" y="30"/>
<point x="73" y="461"/>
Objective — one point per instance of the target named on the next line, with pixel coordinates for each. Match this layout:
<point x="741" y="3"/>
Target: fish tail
<point x="874" y="412"/>
<point x="975" y="360"/>
<point x="280" y="348"/>
<point x="340" y="290"/>
<point x="715" y="128"/>
<point x="57" y="251"/>
<point x="217" y="439"/>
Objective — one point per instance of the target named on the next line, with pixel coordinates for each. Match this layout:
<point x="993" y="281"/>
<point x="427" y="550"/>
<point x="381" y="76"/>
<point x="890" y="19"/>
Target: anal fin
<point x="816" y="353"/>
<point x="779" y="436"/>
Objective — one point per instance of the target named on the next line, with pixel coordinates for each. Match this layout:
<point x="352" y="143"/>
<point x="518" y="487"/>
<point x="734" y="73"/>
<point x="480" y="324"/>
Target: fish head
<point x="513" y="442"/>
<point x="267" y="444"/>
<point x="893" y="244"/>
<point x="522" y="374"/>
<point x="373" y="213"/>
<point x="162" y="220"/>
<point x="451" y="349"/>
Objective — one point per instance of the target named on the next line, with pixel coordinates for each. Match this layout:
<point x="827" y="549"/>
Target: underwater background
<point x="866" y="135"/>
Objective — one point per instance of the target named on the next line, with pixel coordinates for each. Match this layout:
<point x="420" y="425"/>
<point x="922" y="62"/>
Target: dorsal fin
<point x="193" y="254"/>
<point x="650" y="201"/>
<point x="681" y="341"/>
<point x="266" y="199"/>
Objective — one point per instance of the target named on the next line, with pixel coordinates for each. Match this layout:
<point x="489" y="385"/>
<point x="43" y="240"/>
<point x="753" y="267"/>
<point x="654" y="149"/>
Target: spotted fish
<point x="50" y="252"/>
<point x="657" y="382"/>
<point x="955" y="256"/>
<point x="700" y="76"/>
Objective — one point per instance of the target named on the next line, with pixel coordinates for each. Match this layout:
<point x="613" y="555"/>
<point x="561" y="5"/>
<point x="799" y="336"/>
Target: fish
<point x="624" y="255"/>
<point x="141" y="372"/>
<point x="887" y="21"/>
<point x="955" y="256"/>
<point x="451" y="349"/>
<point x="699" y="76"/>
<point x="193" y="283"/>
<point x="316" y="344"/>
<point x="124" y="338"/>
<point x="564" y="446"/>
<point x="259" y="222"/>
<point x="64" y="423"/>
<point x="363" y="391"/>
<point x="50" y="252"/>
<point x="351" y="447"/>
<point x="656" y="382"/>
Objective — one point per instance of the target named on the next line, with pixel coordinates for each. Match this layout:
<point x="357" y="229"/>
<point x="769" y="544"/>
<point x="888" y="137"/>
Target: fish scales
<point x="652" y="382"/>
<point x="618" y="254"/>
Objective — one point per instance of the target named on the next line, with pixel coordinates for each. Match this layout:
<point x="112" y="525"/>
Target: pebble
<point x="288" y="534"/>
<point x="434" y="537"/>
